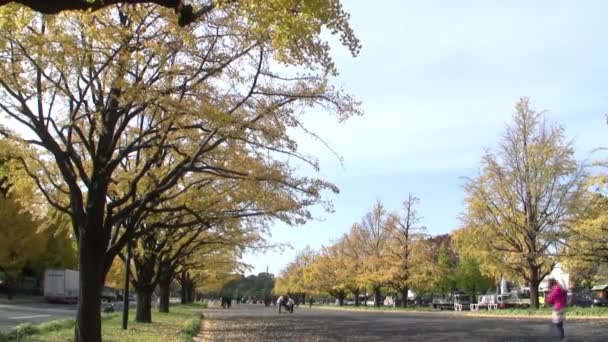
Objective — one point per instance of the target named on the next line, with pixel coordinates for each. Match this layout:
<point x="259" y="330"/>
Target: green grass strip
<point x="28" y="329"/>
<point x="191" y="328"/>
<point x="181" y="324"/>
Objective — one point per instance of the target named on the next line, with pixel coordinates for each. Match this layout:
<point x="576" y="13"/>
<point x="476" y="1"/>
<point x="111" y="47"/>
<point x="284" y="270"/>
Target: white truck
<point x="61" y="286"/>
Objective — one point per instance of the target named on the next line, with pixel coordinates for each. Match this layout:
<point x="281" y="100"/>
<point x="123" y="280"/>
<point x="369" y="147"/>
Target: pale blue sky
<point x="438" y="81"/>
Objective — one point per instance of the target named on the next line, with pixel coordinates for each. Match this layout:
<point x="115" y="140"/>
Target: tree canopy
<point x="127" y="112"/>
<point x="519" y="204"/>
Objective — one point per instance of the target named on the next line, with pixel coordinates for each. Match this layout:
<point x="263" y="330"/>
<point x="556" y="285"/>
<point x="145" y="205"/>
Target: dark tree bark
<point x="356" y="293"/>
<point x="182" y="279"/>
<point x="186" y="12"/>
<point x="404" y="292"/>
<point x="187" y="292"/>
<point x="144" y="306"/>
<point x="144" y="284"/>
<point x="57" y="6"/>
<point x="9" y="289"/>
<point x="191" y="292"/>
<point x="165" y="292"/>
<point x="534" y="282"/>
<point x="377" y="296"/>
<point x="341" y="295"/>
<point x="183" y="295"/>
<point x="91" y="276"/>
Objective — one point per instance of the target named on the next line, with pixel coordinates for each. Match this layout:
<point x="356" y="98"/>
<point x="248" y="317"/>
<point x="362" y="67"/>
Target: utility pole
<point x="125" y="299"/>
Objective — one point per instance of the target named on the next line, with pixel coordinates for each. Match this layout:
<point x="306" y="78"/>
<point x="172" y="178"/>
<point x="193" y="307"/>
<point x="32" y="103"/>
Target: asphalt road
<point x="12" y="315"/>
<point x="257" y="323"/>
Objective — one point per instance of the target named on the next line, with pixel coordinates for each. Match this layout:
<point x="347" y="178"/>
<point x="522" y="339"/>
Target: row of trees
<point x="531" y="206"/>
<point x="31" y="241"/>
<point x="384" y="253"/>
<point x="253" y="287"/>
<point x="173" y="140"/>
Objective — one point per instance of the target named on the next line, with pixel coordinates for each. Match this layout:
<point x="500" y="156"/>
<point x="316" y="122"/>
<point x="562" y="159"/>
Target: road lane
<point x="257" y="323"/>
<point x="12" y="315"/>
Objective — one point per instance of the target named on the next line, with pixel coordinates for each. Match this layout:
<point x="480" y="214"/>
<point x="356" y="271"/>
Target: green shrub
<point x="56" y="325"/>
<point x="18" y="332"/>
<point x="28" y="329"/>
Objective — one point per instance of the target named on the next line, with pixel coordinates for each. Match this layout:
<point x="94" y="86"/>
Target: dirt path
<point x="257" y="323"/>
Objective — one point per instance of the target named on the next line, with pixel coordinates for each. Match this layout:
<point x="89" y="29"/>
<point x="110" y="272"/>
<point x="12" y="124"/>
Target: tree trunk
<point x="404" y="292"/>
<point x="184" y="300"/>
<point x="88" y="315"/>
<point x="356" y="294"/>
<point x="187" y="293"/>
<point x="144" y="306"/>
<point x="341" y="296"/>
<point x="534" y="282"/>
<point x="474" y="295"/>
<point x="377" y="296"/>
<point x="165" y="289"/>
<point x="9" y="289"/>
<point x="190" y="293"/>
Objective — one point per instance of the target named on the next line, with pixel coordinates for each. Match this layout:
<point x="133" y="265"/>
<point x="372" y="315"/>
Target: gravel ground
<point x="258" y="323"/>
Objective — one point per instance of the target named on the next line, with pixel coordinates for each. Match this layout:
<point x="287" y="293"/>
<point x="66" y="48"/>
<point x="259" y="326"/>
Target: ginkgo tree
<point x="383" y="251"/>
<point x="349" y="246"/>
<point x="160" y="258"/>
<point x="297" y="277"/>
<point x="19" y="242"/>
<point x="32" y="235"/>
<point x="234" y="211"/>
<point x="407" y="256"/>
<point x="125" y="85"/>
<point x="329" y="272"/>
<point x="519" y="205"/>
<point x="372" y="237"/>
<point x="206" y="265"/>
<point x="585" y="252"/>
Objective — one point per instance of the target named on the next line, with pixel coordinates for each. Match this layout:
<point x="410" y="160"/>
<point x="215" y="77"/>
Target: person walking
<point x="557" y="298"/>
<point x="281" y="302"/>
<point x="290" y="304"/>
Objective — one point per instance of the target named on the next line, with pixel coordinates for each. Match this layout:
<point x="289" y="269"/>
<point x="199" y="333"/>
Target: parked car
<point x="462" y="302"/>
<point x="108" y="294"/>
<point x="514" y="300"/>
<point x="448" y="303"/>
<point x="580" y="299"/>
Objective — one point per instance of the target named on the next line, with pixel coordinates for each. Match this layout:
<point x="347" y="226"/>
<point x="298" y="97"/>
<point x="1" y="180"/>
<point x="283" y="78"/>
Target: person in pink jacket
<point x="557" y="297"/>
